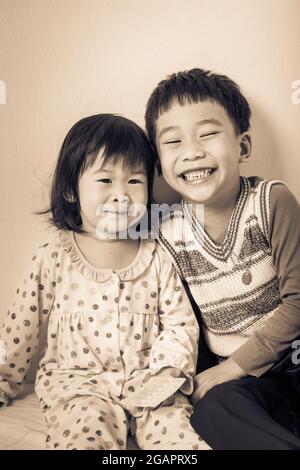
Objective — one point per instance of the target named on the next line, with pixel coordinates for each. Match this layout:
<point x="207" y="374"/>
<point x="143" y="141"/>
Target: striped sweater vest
<point x="231" y="310"/>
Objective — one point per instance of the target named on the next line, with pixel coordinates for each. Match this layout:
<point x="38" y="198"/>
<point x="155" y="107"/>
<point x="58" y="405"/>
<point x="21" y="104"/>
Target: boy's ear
<point x="245" y="147"/>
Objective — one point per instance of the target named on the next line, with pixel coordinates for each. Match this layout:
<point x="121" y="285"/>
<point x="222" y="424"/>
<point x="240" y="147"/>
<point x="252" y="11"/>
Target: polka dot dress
<point x="105" y="330"/>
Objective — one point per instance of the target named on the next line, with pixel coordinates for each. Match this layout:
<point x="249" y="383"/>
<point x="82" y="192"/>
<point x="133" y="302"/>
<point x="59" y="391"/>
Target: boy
<point x="242" y="264"/>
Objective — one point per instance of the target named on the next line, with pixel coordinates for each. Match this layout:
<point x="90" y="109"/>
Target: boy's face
<point x="199" y="151"/>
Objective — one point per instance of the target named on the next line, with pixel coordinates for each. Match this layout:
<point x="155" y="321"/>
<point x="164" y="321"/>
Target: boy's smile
<point x="197" y="175"/>
<point x="200" y="151"/>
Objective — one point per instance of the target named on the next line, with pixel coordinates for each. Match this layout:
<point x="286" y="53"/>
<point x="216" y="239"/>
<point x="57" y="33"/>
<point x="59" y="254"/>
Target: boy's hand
<point x="224" y="372"/>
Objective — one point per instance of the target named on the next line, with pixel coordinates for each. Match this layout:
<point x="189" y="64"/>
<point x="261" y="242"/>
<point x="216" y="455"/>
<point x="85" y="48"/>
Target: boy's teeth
<point x="197" y="175"/>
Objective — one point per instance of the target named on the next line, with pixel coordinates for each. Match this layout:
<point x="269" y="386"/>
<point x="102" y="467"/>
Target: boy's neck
<point x="217" y="217"/>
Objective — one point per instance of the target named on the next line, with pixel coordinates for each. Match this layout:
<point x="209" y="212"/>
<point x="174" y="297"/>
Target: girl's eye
<point x="175" y="141"/>
<point x="134" y="181"/>
<point x="105" y="180"/>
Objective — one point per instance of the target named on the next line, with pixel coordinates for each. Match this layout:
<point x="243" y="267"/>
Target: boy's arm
<point x="267" y="345"/>
<point x="21" y="328"/>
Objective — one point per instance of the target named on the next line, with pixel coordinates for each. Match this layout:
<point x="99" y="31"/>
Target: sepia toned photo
<point x="150" y="227"/>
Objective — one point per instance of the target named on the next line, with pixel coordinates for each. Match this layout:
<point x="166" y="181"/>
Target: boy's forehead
<point x="191" y="113"/>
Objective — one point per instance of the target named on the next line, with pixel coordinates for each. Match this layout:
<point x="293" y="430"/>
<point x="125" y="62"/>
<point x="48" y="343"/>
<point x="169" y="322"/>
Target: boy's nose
<point x="192" y="156"/>
<point x="193" y="151"/>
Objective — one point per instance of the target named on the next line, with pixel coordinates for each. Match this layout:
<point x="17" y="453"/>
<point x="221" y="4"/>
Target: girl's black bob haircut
<point x="193" y="86"/>
<point x="119" y="138"/>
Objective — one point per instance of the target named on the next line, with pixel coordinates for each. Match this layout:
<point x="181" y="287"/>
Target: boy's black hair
<point x="119" y="138"/>
<point x="193" y="86"/>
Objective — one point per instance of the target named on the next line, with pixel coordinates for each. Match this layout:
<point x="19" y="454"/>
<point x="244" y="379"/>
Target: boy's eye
<point x="208" y="134"/>
<point x="105" y="180"/>
<point x="134" y="181"/>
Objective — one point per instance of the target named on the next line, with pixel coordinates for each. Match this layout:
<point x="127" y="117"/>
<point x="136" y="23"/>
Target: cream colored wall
<point x="65" y="59"/>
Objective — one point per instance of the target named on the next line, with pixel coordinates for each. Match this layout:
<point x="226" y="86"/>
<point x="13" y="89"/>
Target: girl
<point x="112" y="307"/>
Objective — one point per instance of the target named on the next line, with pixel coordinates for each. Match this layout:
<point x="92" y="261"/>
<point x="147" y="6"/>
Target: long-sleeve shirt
<point x="253" y="322"/>
<point x="268" y="343"/>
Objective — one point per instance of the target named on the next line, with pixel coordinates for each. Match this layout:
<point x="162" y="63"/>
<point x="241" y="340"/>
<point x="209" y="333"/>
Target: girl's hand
<point x="165" y="372"/>
<point x="224" y="372"/>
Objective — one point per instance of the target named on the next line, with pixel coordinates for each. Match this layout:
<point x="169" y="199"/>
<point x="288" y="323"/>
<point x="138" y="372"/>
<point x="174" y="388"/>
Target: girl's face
<point x="112" y="197"/>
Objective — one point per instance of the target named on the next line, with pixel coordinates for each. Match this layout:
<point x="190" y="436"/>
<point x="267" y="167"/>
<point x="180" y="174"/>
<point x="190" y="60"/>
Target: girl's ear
<point x="245" y="147"/>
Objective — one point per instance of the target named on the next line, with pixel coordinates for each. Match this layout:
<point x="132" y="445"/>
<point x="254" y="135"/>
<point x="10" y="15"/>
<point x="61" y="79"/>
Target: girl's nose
<point x="121" y="198"/>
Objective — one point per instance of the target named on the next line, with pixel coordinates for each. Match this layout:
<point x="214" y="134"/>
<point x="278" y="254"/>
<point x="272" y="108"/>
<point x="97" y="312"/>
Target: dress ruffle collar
<point x="135" y="269"/>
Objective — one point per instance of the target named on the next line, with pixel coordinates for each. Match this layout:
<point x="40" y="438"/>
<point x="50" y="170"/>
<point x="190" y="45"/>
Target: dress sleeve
<point x="267" y="345"/>
<point x="177" y="344"/>
<point x="27" y="315"/>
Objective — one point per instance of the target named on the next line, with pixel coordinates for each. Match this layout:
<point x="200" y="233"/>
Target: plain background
<point x="62" y="60"/>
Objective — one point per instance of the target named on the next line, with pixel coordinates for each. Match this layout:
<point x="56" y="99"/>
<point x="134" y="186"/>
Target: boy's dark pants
<point x="250" y="413"/>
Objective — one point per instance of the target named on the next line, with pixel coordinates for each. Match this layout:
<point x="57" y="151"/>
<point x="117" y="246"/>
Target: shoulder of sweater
<point x="284" y="213"/>
<point x="282" y="199"/>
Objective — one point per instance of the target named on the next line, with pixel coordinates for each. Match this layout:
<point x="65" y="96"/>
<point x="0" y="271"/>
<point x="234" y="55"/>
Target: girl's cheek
<point x="140" y="194"/>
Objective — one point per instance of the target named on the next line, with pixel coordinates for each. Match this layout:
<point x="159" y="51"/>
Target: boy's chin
<point x="192" y="194"/>
<point x="183" y="188"/>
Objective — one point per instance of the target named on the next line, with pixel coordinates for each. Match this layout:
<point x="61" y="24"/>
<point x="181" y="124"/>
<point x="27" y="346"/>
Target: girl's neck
<point x="107" y="254"/>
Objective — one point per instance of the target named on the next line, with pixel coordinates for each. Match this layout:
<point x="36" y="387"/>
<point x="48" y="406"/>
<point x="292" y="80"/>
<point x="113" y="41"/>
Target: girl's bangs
<point x="130" y="154"/>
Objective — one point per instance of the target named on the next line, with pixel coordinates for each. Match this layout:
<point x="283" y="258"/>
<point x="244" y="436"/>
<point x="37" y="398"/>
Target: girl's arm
<point x="177" y="345"/>
<point x="27" y="315"/>
<point x="173" y="356"/>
